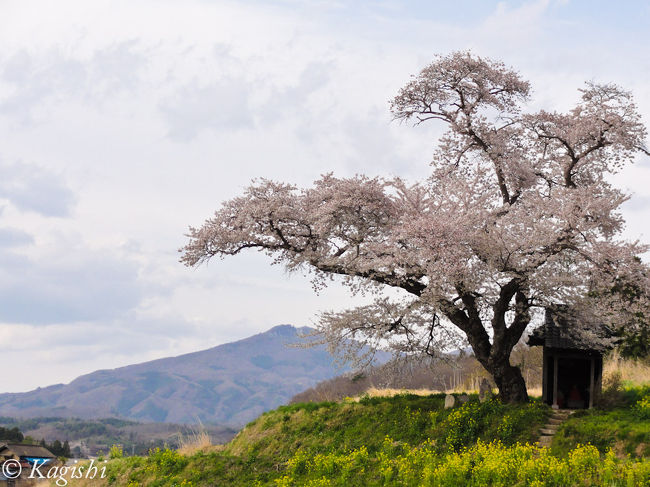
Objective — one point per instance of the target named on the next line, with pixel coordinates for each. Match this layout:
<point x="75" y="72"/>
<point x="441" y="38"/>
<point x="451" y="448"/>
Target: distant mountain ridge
<point x="229" y="384"/>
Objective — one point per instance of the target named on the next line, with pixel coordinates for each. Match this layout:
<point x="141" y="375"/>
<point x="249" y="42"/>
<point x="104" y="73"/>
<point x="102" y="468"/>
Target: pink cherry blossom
<point x="518" y="214"/>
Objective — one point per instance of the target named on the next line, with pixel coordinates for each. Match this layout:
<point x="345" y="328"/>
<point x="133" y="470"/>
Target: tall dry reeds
<point x="629" y="371"/>
<point x="197" y="439"/>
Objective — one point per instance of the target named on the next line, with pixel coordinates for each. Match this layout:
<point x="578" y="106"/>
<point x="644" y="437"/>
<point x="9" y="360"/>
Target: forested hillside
<point x="229" y="384"/>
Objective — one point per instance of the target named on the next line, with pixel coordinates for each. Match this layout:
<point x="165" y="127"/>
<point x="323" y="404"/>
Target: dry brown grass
<point x="388" y="392"/>
<point x="98" y="481"/>
<point x="633" y="372"/>
<point x="196" y="440"/>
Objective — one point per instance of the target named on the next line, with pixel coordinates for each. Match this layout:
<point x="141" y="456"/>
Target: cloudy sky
<point x="123" y="122"/>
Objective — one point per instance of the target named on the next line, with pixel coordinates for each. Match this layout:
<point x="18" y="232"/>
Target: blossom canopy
<point x="517" y="214"/>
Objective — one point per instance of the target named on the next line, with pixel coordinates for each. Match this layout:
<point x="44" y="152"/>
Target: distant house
<point x="573" y="346"/>
<point x="25" y="456"/>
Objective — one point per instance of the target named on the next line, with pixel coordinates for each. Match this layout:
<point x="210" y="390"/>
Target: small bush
<point x="491" y="420"/>
<point x="115" y="452"/>
<point x="167" y="462"/>
<point x="642" y="408"/>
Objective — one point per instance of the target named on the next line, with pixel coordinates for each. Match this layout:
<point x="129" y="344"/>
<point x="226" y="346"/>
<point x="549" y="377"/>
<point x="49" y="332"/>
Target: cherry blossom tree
<point x="519" y="213"/>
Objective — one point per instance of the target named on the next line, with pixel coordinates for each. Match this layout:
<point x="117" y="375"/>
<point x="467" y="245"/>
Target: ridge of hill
<point x="229" y="384"/>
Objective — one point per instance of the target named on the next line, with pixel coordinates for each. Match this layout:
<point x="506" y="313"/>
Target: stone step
<point x="548" y="431"/>
<point x="562" y="412"/>
<point x="559" y="417"/>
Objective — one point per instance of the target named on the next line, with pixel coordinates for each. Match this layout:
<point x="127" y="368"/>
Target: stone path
<point x="558" y="417"/>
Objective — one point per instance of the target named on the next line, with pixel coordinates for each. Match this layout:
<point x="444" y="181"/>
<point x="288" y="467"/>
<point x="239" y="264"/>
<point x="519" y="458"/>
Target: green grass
<point x="408" y="440"/>
<point x="411" y="419"/>
<point x="625" y="428"/>
<point x="168" y="468"/>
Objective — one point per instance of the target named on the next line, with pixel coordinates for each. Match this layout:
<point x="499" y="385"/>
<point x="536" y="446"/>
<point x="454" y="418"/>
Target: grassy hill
<point x="409" y="440"/>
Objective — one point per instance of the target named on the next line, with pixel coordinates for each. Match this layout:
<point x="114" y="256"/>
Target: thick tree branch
<point x="410" y="284"/>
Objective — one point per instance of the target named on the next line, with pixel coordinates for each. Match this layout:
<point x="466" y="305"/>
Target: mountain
<point x="230" y="384"/>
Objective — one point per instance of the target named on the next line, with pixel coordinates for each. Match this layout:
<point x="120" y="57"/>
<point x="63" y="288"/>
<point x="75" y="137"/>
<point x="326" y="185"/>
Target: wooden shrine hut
<point x="574" y="343"/>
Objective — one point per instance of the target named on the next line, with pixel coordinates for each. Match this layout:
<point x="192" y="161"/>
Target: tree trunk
<point x="510" y="381"/>
<point x="495" y="356"/>
<point x="495" y="359"/>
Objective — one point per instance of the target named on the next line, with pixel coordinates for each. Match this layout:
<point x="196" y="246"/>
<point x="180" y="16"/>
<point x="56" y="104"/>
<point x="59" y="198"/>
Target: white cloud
<point x="35" y="83"/>
<point x="13" y="237"/>
<point x="70" y="285"/>
<point x="34" y="188"/>
<point x="221" y="106"/>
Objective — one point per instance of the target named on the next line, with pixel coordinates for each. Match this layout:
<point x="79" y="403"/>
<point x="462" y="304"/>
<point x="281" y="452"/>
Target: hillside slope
<point x="403" y="440"/>
<point x="229" y="384"/>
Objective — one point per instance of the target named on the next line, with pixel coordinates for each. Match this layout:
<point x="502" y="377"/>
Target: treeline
<point x="11" y="435"/>
<point x="453" y="372"/>
<point x="92" y="437"/>
<point x="74" y="427"/>
<point x="14" y="435"/>
<point x="57" y="448"/>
